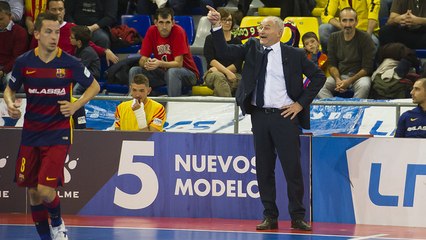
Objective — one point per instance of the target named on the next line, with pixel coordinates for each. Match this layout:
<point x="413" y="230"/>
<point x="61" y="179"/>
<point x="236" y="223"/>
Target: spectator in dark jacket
<point x="97" y="15"/>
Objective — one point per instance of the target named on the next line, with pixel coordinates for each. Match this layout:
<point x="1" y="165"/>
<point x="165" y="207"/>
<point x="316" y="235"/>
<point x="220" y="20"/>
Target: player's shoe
<point x="59" y="232"/>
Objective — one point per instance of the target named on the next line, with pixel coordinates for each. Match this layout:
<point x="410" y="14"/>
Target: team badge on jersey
<point x="86" y="72"/>
<point x="60" y="72"/>
<point x="157" y="121"/>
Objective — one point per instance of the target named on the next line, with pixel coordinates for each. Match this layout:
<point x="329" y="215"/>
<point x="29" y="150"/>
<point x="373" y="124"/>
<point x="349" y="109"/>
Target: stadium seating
<point x="187" y="23"/>
<point x="200" y="89"/>
<point x="203" y="30"/>
<point x="250" y="23"/>
<point x="269" y="11"/>
<point x="303" y="24"/>
<point x="421" y="53"/>
<point x="319" y="8"/>
<point x="139" y="22"/>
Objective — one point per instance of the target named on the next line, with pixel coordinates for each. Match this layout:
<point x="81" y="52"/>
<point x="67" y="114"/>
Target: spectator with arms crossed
<point x="172" y="64"/>
<point x="97" y="15"/>
<point x="406" y="24"/>
<point x="412" y="123"/>
<point x="141" y="113"/>
<point x="47" y="74"/>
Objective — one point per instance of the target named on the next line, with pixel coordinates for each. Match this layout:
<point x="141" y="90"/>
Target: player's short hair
<point x="44" y="16"/>
<point x="5" y="8"/>
<point x="164" y="13"/>
<point x="81" y="33"/>
<point x="423" y="82"/>
<point x="140" y="79"/>
<point x="309" y="35"/>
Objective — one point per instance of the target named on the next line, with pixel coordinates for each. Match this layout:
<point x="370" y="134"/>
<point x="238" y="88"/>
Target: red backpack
<point x="124" y="36"/>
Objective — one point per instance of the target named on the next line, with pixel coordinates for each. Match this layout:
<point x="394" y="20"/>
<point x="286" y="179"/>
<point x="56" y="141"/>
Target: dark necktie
<point x="261" y="79"/>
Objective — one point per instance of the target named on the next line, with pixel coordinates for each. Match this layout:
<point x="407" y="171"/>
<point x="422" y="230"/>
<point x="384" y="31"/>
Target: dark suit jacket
<point x="295" y="63"/>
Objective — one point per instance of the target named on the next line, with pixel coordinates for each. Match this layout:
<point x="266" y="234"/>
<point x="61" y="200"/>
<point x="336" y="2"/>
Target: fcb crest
<point x="60" y="72"/>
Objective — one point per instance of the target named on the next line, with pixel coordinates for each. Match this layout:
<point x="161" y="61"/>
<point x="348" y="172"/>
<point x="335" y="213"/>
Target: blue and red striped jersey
<point x="45" y="84"/>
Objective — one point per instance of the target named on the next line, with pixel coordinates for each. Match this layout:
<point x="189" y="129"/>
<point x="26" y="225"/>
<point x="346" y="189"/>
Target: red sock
<point x="54" y="209"/>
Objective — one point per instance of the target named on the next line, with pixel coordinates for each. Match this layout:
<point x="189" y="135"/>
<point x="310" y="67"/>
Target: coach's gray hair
<point x="277" y="21"/>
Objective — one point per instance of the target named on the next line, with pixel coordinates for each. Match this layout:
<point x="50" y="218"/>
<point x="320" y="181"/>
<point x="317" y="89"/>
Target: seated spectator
<point x="311" y="45"/>
<point x="412" y="123"/>
<point x="367" y="13"/>
<point x="223" y="74"/>
<point x="350" y="56"/>
<point x="97" y="15"/>
<point x="57" y="7"/>
<point x="172" y="64"/>
<point x="406" y="24"/>
<point x="32" y="9"/>
<point x="141" y="113"/>
<point x="13" y="42"/>
<point x="80" y="37"/>
<point x="17" y="9"/>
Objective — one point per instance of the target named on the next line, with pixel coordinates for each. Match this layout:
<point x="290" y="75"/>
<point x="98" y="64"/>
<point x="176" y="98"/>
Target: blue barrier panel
<point x="162" y="175"/>
<point x="378" y="181"/>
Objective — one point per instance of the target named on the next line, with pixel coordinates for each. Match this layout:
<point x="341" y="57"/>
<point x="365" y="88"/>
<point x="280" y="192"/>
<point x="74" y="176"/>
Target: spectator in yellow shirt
<point x="368" y="19"/>
<point x="141" y="113"/>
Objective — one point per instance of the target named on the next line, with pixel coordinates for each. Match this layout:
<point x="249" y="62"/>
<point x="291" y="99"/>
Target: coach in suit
<point x="279" y="106"/>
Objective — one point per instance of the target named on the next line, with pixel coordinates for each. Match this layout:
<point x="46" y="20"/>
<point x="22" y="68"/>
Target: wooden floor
<point x="19" y="226"/>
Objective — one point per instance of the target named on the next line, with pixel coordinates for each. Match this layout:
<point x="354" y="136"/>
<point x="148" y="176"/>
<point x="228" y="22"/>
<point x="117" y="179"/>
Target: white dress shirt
<point x="275" y="94"/>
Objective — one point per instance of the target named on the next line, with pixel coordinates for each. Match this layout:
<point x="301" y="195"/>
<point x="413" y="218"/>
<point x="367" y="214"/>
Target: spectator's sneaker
<point x="59" y="232"/>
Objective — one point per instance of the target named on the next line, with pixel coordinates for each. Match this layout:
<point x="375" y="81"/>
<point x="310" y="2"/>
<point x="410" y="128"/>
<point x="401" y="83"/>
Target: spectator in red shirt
<point x="172" y="64"/>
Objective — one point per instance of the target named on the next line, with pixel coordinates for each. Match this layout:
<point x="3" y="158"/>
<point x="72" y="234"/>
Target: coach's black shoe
<point x="300" y="224"/>
<point x="268" y="224"/>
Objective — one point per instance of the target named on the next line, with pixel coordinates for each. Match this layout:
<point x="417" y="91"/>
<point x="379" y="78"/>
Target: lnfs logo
<point x="388" y="177"/>
<point x="413" y="170"/>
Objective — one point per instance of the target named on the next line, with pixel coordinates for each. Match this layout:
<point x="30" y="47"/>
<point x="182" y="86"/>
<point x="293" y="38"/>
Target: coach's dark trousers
<point x="273" y="134"/>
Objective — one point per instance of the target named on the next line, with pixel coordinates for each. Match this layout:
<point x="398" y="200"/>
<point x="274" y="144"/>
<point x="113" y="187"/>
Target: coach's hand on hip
<point x="291" y="110"/>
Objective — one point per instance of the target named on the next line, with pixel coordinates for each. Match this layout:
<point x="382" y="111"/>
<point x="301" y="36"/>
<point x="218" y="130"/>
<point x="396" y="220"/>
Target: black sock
<point x="41" y="221"/>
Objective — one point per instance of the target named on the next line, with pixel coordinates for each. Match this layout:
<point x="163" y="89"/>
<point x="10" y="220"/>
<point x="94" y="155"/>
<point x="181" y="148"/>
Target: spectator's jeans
<point x="361" y="87"/>
<point x="174" y="78"/>
<point x="326" y="29"/>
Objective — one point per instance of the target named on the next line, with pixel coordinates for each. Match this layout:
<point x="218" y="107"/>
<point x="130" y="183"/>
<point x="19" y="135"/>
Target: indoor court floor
<point x="19" y="226"/>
